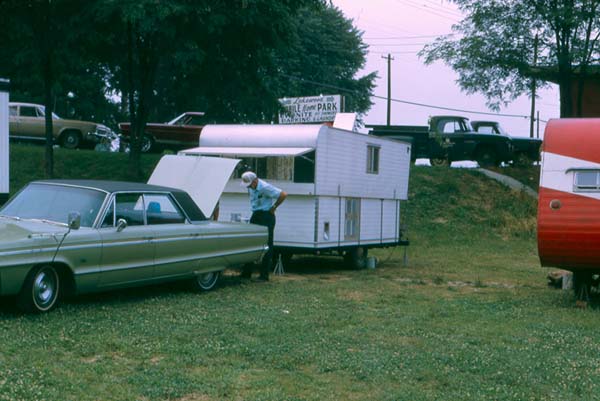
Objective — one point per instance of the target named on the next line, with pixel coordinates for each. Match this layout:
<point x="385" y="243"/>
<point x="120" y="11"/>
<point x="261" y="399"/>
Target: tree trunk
<point x="47" y="72"/>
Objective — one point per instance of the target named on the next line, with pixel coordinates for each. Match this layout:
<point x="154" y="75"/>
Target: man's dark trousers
<point x="267" y="219"/>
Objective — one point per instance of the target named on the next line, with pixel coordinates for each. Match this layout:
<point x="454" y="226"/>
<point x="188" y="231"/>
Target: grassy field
<point x="468" y="318"/>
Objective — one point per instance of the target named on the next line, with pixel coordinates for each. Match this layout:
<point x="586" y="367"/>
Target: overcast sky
<point x="402" y="27"/>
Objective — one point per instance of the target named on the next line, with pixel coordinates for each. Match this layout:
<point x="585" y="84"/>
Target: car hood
<point x="79" y="123"/>
<point x="202" y="177"/>
<point x="18" y="230"/>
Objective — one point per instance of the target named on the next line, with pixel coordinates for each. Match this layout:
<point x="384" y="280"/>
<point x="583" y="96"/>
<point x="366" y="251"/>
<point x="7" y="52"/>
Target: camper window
<point x="588" y="180"/>
<point x="372" y="159"/>
<point x="304" y="168"/>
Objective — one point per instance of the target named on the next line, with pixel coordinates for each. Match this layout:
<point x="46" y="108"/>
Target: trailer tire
<point x="356" y="257"/>
<point x="582" y="285"/>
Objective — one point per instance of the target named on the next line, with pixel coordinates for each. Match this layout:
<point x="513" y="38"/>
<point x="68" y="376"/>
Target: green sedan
<point x="60" y="237"/>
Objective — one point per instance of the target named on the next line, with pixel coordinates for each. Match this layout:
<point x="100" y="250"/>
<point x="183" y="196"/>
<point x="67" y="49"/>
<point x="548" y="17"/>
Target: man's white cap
<point x="247" y="178"/>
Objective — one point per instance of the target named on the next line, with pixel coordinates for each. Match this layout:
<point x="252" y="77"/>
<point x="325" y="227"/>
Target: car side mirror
<point x="74" y="220"/>
<point x="121" y="225"/>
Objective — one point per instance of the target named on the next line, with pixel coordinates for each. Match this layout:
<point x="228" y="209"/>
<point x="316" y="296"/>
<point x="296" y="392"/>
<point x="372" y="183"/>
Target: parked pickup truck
<point x="179" y="133"/>
<point x="525" y="150"/>
<point x="448" y="139"/>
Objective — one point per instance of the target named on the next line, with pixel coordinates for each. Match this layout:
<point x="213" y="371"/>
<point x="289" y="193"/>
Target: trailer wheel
<point x="582" y="285"/>
<point x="356" y="257"/>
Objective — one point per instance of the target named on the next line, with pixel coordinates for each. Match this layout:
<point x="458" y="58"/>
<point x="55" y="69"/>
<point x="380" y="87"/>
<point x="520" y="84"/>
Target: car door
<point x="127" y="253"/>
<point x="31" y="122"/>
<point x="181" y="247"/>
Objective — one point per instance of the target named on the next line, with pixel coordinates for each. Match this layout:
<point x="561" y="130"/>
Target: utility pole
<point x="533" y="88"/>
<point x="389" y="94"/>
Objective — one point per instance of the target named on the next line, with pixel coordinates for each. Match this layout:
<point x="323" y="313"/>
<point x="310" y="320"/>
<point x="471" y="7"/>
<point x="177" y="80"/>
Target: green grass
<point x="529" y="176"/>
<point x="468" y="318"/>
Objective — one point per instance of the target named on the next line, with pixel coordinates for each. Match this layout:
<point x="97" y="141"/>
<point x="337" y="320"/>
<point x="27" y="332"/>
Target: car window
<point x="130" y="207"/>
<point x="55" y="202"/>
<point x="160" y="209"/>
<point x="109" y="218"/>
<point x="485" y="129"/>
<point x="27" y="111"/>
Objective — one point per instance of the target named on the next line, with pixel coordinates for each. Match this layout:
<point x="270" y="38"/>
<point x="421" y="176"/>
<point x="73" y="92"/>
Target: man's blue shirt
<point x="264" y="196"/>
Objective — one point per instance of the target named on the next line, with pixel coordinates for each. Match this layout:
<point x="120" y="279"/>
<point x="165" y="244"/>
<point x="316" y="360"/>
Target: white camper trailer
<point x="344" y="188"/>
<point x="4" y="176"/>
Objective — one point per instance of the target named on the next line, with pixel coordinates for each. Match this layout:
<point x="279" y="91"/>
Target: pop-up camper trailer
<point x="344" y="188"/>
<point x="4" y="173"/>
<point x="569" y="200"/>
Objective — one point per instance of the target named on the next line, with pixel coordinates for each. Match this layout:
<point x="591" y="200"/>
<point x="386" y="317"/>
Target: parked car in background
<point x="525" y="150"/>
<point x="179" y="133"/>
<point x="27" y="121"/>
<point x="76" y="236"/>
<point x="447" y="139"/>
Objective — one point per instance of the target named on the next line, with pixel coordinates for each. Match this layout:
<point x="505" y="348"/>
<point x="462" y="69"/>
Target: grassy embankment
<point x="469" y="318"/>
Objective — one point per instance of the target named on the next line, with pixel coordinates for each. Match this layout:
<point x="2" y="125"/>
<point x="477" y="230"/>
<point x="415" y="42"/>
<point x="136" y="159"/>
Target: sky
<point x="402" y="28"/>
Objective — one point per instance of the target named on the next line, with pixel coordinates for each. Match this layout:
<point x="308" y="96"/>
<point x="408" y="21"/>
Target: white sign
<point x="310" y="109"/>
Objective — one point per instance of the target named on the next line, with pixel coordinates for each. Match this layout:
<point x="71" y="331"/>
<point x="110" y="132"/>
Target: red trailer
<point x="569" y="200"/>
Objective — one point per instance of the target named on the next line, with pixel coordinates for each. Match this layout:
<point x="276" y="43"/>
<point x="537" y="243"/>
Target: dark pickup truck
<point x="448" y="139"/>
<point x="525" y="150"/>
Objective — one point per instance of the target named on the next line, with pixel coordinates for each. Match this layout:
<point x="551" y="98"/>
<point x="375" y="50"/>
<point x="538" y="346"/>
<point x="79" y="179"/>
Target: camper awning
<point x="246" y="151"/>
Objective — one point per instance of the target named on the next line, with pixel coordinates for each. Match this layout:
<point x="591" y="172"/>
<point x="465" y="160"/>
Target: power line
<point x="324" y="85"/>
<point x="405" y="37"/>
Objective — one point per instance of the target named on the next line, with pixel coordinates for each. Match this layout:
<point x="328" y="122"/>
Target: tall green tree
<point x="325" y="57"/>
<point x="149" y="47"/>
<point x="35" y="41"/>
<point x="320" y="51"/>
<point x="492" y="48"/>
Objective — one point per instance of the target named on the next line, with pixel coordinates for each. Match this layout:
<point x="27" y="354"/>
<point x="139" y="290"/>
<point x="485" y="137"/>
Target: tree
<point x="326" y="55"/>
<point x="492" y="47"/>
<point x="35" y="39"/>
<point x="164" y="48"/>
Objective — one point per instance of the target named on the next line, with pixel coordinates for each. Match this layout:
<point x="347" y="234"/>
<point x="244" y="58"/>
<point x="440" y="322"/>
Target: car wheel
<point x="147" y="143"/>
<point x="40" y="291"/>
<point x="438" y="162"/>
<point x="70" y="139"/>
<point x="486" y="157"/>
<point x="356" y="257"/>
<point x="206" y="281"/>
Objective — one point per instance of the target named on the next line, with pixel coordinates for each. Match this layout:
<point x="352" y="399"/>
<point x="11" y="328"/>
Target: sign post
<point x="4" y="176"/>
<point x="312" y="109"/>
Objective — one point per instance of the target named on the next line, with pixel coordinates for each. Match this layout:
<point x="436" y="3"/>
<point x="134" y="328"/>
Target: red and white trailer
<point x="569" y="200"/>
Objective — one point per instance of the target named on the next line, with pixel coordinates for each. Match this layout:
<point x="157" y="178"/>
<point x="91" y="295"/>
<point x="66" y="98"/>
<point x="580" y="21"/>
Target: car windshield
<point x="188" y="119"/>
<point x="54" y="203"/>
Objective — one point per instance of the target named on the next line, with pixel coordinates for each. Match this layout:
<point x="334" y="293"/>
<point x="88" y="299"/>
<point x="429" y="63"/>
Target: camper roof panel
<point x="246" y="151"/>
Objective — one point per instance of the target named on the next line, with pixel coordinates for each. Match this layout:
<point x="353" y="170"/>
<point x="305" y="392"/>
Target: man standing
<point x="264" y="200"/>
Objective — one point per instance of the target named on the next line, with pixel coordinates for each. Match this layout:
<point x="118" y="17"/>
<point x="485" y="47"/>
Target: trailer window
<point x="587" y="180"/>
<point x="304" y="168"/>
<point x="372" y="159"/>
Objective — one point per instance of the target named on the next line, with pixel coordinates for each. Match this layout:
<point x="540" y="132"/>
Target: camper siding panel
<point x="370" y="220"/>
<point x="329" y="211"/>
<point x="391" y="218"/>
<point x="295" y="217"/>
<point x="342" y="161"/>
